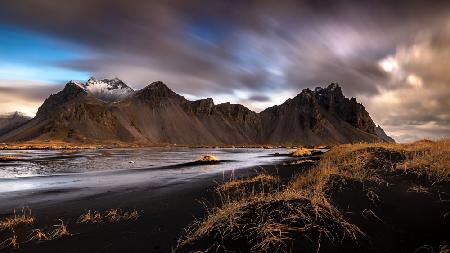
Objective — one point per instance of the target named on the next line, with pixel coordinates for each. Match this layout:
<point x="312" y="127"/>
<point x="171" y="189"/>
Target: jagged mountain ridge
<point x="157" y="115"/>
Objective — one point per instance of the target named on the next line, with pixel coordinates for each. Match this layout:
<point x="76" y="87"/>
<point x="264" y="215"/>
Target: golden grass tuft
<point x="208" y="158"/>
<point x="59" y="231"/>
<point x="270" y="217"/>
<point x="90" y="217"/>
<point x="17" y="219"/>
<point x="38" y="235"/>
<point x="300" y="152"/>
<point x="11" y="241"/>
<point x="111" y="215"/>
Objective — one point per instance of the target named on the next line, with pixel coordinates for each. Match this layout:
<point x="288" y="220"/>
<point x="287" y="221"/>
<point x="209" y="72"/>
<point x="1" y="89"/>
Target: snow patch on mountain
<point x="108" y="90"/>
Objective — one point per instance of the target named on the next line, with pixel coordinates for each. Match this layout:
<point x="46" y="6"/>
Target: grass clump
<point x="60" y="230"/>
<point x="11" y="241"/>
<point x="208" y="158"/>
<point x="38" y="235"/>
<point x="265" y="216"/>
<point x="111" y="215"/>
<point x="300" y="152"/>
<point x="24" y="218"/>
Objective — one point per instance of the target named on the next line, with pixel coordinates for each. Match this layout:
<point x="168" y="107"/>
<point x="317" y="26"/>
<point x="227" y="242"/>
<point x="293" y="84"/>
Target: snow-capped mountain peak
<point x="109" y="90"/>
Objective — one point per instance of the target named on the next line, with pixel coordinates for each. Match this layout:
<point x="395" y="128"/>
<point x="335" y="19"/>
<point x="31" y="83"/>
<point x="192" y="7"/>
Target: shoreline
<point x="74" y="146"/>
<point x="166" y="210"/>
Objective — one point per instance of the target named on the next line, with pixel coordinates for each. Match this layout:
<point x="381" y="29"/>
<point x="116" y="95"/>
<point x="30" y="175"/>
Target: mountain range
<point x="109" y="111"/>
<point x="11" y="121"/>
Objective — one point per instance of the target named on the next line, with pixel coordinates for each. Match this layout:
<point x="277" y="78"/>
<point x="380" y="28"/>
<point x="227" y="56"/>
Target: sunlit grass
<point x="9" y="158"/>
<point x="111" y="215"/>
<point x="208" y="158"/>
<point x="268" y="216"/>
<point x="15" y="220"/>
<point x="301" y="152"/>
<point x="20" y="230"/>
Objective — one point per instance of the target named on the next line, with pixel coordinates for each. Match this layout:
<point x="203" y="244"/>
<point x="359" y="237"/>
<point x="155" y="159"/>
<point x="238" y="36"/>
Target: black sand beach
<point x="165" y="212"/>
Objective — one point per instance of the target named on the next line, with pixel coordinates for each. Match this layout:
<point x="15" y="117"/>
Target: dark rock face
<point x="324" y="115"/>
<point x="156" y="114"/>
<point x="202" y="106"/>
<point x="12" y="121"/>
<point x="332" y="99"/>
<point x="156" y="91"/>
<point x="71" y="91"/>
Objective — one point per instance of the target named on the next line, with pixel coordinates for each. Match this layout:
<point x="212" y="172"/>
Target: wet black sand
<point x="166" y="211"/>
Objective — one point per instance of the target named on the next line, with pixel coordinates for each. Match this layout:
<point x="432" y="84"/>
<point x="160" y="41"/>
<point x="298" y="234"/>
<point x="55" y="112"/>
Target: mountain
<point x="158" y="115"/>
<point x="11" y="121"/>
<point x="380" y="132"/>
<point x="320" y="116"/>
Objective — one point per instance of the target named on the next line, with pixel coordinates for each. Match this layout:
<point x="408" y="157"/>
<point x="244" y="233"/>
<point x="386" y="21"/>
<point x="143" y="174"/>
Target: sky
<point x="393" y="56"/>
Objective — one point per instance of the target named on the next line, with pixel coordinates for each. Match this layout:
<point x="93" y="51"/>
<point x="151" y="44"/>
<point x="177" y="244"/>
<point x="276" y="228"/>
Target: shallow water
<point x="61" y="173"/>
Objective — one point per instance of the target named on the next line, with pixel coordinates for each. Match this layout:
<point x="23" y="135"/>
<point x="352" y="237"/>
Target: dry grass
<point x="208" y="158"/>
<point x="239" y="184"/>
<point x="9" y="158"/>
<point x="298" y="162"/>
<point x="371" y="161"/>
<point x="418" y="189"/>
<point x="10" y="241"/>
<point x="111" y="215"/>
<point x="15" y="220"/>
<point x="271" y="217"/>
<point x="45" y="146"/>
<point x="90" y="217"/>
<point x="300" y="152"/>
<point x="60" y="230"/>
<point x="444" y="249"/>
<point x="38" y="235"/>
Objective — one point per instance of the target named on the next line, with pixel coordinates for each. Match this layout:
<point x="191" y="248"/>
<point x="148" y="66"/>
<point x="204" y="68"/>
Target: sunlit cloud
<point x="389" y="64"/>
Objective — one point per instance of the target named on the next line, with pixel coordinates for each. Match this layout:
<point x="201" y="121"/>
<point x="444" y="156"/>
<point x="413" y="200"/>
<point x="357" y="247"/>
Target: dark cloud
<point x="262" y="47"/>
<point x="33" y="93"/>
<point x="259" y="98"/>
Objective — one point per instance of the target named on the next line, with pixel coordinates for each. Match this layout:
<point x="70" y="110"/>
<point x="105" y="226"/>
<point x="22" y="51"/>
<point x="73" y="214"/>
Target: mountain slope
<point x="157" y="115"/>
<point x="11" y="121"/>
<point x="380" y="132"/>
<point x="319" y="116"/>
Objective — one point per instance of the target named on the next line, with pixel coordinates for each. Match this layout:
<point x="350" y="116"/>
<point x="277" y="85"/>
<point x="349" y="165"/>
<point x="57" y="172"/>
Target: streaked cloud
<point x="391" y="55"/>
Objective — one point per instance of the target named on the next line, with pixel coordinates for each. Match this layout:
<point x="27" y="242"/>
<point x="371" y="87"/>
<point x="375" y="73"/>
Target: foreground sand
<point x="165" y="212"/>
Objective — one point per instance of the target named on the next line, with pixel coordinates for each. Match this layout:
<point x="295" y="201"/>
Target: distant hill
<point x="109" y="111"/>
<point x="11" y="121"/>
